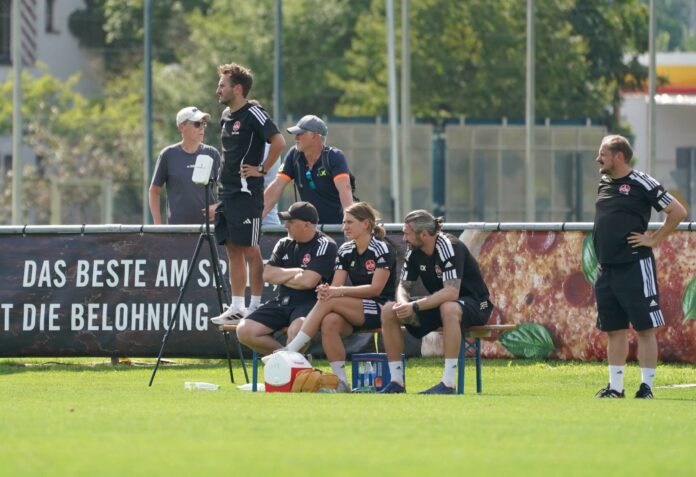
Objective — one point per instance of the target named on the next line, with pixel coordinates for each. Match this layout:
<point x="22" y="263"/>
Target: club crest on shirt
<point x="306" y="259"/>
<point x="370" y="265"/>
<point x="624" y="189"/>
<point x="438" y="271"/>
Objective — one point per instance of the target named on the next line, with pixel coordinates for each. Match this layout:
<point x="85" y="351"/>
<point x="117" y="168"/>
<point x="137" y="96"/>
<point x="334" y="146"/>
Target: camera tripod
<point x="217" y="275"/>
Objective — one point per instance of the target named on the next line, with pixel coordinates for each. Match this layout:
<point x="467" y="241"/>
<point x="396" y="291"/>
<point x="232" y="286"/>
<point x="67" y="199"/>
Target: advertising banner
<point x="113" y="294"/>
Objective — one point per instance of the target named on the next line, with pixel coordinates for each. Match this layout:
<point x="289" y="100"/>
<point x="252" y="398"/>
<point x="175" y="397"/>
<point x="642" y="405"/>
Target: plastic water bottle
<point x="361" y="377"/>
<point x="369" y="377"/>
<point x="191" y="385"/>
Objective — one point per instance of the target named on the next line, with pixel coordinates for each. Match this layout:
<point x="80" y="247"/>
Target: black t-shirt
<point x="321" y="191"/>
<point x="361" y="268"/>
<point x="623" y="206"/>
<point x="317" y="255"/>
<point x="450" y="261"/>
<point x="244" y="135"/>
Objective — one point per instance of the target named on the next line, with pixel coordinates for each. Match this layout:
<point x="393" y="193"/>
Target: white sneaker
<point x="342" y="387"/>
<point x="232" y="316"/>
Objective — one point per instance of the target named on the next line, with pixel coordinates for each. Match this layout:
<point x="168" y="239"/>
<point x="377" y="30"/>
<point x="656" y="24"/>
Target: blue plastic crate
<point x="381" y="366"/>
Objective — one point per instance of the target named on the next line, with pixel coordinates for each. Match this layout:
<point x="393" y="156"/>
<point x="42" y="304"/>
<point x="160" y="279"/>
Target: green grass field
<point x="79" y="418"/>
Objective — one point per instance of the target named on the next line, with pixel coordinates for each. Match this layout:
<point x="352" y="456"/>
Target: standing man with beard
<point x="626" y="286"/>
<point x="245" y="130"/>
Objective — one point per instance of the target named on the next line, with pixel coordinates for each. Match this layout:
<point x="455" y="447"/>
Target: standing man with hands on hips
<point x="626" y="286"/>
<point x="245" y="130"/>
<point x="174" y="168"/>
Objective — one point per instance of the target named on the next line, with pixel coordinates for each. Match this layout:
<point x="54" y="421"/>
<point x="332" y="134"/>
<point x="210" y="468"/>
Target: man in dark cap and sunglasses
<point x="174" y="168"/>
<point x="320" y="172"/>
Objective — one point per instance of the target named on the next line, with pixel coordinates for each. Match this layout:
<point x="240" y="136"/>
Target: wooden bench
<point x="471" y="340"/>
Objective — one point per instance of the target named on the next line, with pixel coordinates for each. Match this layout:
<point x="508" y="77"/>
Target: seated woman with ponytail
<point x="370" y="263"/>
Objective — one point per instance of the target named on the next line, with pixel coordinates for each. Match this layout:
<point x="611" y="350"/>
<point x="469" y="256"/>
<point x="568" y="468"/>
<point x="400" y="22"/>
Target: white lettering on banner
<point x="179" y="272"/>
<point x="43" y="278"/>
<point x="162" y="280"/>
<point x="6" y="307"/>
<point x="172" y="275"/>
<point x="95" y="317"/>
<point x="207" y="273"/>
<point x="77" y="322"/>
<point x="90" y="273"/>
<point x="45" y="317"/>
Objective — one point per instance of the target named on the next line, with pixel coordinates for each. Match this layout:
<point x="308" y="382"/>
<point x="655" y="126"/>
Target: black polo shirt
<point x="361" y="267"/>
<point x="244" y="134"/>
<point x="451" y="260"/>
<point x="317" y="255"/>
<point x="622" y="207"/>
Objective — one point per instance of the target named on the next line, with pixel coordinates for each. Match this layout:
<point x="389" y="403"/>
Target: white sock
<point x="298" y="342"/>
<point x="396" y="371"/>
<point x="648" y="376"/>
<point x="616" y="377"/>
<point x="449" y="372"/>
<point x="339" y="369"/>
<point x="238" y="301"/>
<point x="255" y="301"/>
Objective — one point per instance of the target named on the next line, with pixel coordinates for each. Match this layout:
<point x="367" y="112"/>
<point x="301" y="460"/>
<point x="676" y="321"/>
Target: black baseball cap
<point x="301" y="211"/>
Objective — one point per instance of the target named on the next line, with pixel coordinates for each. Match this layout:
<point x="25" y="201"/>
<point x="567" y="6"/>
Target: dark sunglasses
<point x="197" y="124"/>
<point x="308" y="175"/>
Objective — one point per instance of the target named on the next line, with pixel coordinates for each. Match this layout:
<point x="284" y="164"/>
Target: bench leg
<point x="225" y="335"/>
<point x="254" y="371"/>
<point x="460" y="367"/>
<point x="479" y="379"/>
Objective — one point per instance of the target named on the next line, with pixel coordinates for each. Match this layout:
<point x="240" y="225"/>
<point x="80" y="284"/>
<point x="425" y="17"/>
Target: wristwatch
<point x="415" y="307"/>
<point x="261" y="169"/>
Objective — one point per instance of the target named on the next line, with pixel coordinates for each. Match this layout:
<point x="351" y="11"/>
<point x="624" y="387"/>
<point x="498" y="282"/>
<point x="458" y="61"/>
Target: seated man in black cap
<point x="320" y="172"/>
<point x="298" y="264"/>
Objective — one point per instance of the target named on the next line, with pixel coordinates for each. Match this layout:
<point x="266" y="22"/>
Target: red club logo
<point x="438" y="271"/>
<point x="625" y="189"/>
<point x="236" y="126"/>
<point x="370" y="265"/>
<point x="306" y="259"/>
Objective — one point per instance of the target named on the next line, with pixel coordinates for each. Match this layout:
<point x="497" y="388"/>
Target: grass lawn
<point x="534" y="418"/>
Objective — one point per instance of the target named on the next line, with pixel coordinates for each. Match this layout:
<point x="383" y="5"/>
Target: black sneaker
<point x="439" y="388"/>
<point x="608" y="392"/>
<point x="644" y="392"/>
<point x="393" y="388"/>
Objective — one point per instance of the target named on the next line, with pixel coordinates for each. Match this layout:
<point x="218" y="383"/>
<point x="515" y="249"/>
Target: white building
<point x="45" y="39"/>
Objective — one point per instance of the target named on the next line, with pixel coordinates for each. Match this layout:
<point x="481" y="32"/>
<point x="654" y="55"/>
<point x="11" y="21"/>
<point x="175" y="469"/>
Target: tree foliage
<point x="468" y="58"/>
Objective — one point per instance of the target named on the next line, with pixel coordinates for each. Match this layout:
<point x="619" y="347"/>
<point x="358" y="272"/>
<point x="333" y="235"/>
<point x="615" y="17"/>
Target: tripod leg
<point x="225" y="334"/>
<point x="175" y="314"/>
<point x="217" y="275"/>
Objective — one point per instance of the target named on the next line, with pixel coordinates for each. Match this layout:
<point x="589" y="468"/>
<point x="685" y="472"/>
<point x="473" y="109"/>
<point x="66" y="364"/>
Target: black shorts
<point x="627" y="293"/>
<point x="275" y="315"/>
<point x="238" y="220"/>
<point x="371" y="310"/>
<point x="474" y="313"/>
